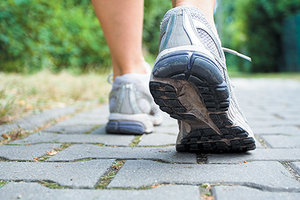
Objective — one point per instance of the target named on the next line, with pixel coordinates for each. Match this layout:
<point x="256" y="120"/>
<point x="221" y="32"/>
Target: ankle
<point x="130" y="68"/>
<point x="205" y="6"/>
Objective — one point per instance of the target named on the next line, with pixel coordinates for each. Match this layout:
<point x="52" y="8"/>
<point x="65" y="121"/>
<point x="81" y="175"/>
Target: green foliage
<point x="255" y="27"/>
<point x="37" y="34"/>
<point x="154" y="12"/>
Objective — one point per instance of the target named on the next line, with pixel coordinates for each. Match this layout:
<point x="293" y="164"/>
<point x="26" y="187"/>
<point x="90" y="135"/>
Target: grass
<point x="52" y="185"/>
<point x="205" y="189"/>
<point x="135" y="141"/>
<point x="21" y="95"/>
<point x="106" y="179"/>
<point x="2" y="183"/>
<point x="13" y="135"/>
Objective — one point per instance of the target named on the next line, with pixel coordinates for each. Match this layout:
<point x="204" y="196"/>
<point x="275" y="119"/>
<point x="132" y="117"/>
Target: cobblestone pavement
<point x="76" y="159"/>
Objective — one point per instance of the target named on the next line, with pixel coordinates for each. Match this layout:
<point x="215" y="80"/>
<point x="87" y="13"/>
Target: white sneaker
<point x="190" y="82"/>
<point x="132" y="109"/>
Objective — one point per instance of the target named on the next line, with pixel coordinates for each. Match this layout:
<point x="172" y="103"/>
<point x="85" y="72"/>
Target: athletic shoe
<point x="132" y="109"/>
<point x="190" y="82"/>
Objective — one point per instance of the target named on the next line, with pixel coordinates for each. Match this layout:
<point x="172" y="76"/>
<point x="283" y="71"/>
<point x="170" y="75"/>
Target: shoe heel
<point x="199" y="70"/>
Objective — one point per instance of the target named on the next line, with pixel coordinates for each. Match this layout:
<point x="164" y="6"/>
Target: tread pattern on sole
<point x="234" y="139"/>
<point x="165" y="96"/>
<point x="201" y="140"/>
<point x="198" y="70"/>
<point x="212" y="89"/>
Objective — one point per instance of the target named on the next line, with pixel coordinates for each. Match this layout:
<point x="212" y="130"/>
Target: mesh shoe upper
<point x="130" y="95"/>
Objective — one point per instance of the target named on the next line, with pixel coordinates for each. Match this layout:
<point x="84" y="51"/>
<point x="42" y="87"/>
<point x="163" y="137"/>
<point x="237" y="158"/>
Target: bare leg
<point x="206" y="6"/>
<point x="122" y="24"/>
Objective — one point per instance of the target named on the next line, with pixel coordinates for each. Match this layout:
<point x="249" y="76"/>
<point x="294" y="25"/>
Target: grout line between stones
<point x="109" y="174"/>
<point x="288" y="166"/>
<point x="54" y="185"/>
<point x="136" y="140"/>
<point x="278" y="116"/>
<point x="98" y="144"/>
<point x="201" y="158"/>
<point x="262" y="142"/>
<point x="206" y="192"/>
<point x="53" y="152"/>
<point x="23" y="133"/>
<point x="94" y="128"/>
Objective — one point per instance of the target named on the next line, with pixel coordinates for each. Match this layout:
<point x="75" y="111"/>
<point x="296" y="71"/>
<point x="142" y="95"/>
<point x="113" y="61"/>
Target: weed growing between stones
<point x="94" y="128"/>
<point x="2" y="183"/>
<point x="52" y="185"/>
<point x="110" y="174"/>
<point x="135" y="141"/>
<point x="205" y="189"/>
<point x="18" y="133"/>
<point x="53" y="152"/>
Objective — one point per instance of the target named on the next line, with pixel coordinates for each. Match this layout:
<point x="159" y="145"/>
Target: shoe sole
<point x="135" y="124"/>
<point x="123" y="127"/>
<point x="190" y="87"/>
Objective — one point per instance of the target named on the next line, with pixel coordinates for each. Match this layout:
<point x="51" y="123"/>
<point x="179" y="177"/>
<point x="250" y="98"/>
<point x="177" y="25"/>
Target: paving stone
<point x="96" y="116"/>
<point x="274" y="123"/>
<point x="296" y="166"/>
<point x="37" y="120"/>
<point x="157" y="139"/>
<point x="259" y="145"/>
<point x="35" y="191"/>
<point x="77" y="174"/>
<point x="269" y="174"/>
<point x="258" y="154"/>
<point x="168" y="121"/>
<point x="70" y="129"/>
<point x="99" y="131"/>
<point x="253" y="119"/>
<point x="100" y="113"/>
<point x="246" y="193"/>
<point x="291" y="115"/>
<point x="167" y="154"/>
<point x="173" y="130"/>
<point x="283" y="130"/>
<point x="282" y="141"/>
<point x="107" y="139"/>
<point x="28" y="152"/>
<point x="80" y="120"/>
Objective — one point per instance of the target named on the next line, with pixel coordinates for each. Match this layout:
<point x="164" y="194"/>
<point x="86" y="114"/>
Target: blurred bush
<point x="154" y="12"/>
<point x="37" y="34"/>
<point x="255" y="27"/>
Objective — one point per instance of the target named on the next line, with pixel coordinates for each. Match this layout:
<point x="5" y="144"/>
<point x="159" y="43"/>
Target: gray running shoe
<point x="132" y="109"/>
<point x="190" y="82"/>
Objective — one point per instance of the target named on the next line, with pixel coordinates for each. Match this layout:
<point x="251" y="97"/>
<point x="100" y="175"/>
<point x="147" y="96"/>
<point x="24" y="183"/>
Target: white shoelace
<point x="236" y="53"/>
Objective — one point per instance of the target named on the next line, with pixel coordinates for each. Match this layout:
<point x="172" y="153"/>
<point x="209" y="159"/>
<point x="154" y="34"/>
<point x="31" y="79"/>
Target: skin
<point x="122" y="24"/>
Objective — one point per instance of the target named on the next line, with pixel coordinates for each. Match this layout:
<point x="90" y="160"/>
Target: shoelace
<point x="236" y="53"/>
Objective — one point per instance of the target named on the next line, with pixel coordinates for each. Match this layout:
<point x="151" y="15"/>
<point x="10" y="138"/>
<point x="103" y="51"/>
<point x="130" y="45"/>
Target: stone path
<point x="76" y="159"/>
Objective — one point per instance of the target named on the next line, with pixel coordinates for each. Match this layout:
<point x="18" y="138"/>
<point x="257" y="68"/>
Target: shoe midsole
<point x="144" y="119"/>
<point x="192" y="48"/>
